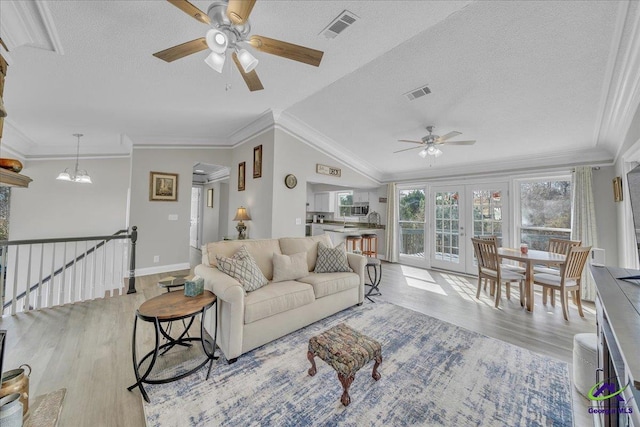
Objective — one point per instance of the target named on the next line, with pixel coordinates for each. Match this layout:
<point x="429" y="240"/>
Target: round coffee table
<point x="166" y="308"/>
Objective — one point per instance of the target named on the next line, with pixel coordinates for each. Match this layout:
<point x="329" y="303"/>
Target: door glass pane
<point x="411" y="222"/>
<point x="446" y="245"/>
<point x="487" y="213"/>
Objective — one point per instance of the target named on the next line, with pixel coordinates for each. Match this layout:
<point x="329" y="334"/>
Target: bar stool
<point x="370" y="245"/>
<point x="354" y="242"/>
<point x="374" y="271"/>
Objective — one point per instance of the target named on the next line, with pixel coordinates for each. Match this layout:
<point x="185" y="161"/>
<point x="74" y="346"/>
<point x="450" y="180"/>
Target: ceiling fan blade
<point x="182" y="50"/>
<point x="407" y="149"/>
<point x="251" y="78"/>
<point x="459" y="142"/>
<point x="408" y="140"/>
<point x="448" y="136"/>
<point x="191" y="10"/>
<point x="238" y="10"/>
<point x="287" y="50"/>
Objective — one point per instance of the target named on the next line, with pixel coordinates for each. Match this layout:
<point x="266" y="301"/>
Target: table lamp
<point x="241" y="215"/>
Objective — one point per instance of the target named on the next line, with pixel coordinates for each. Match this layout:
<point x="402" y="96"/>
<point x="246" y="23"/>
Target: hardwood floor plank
<point x="86" y="347"/>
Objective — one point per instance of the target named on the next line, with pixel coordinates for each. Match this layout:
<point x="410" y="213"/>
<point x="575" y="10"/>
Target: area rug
<point x="433" y="373"/>
<point x="45" y="409"/>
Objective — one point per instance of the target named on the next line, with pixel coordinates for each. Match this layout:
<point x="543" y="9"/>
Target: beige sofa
<point x="250" y="319"/>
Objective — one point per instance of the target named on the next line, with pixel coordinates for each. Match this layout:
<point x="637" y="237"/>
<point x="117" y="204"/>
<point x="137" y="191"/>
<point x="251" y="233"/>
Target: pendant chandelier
<point x="79" y="175"/>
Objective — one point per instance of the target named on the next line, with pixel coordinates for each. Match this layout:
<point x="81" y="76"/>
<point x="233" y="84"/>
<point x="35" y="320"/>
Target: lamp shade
<point x="248" y="61"/>
<point x="423" y="153"/>
<point x="217" y="41"/>
<point x="64" y="176"/>
<point x="241" y="214"/>
<point x="215" y="61"/>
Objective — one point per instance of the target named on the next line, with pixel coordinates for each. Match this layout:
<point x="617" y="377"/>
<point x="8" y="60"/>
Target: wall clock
<point x="290" y="181"/>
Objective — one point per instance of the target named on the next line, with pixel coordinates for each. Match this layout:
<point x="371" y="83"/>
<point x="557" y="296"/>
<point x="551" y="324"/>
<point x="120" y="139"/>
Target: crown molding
<point x="326" y="145"/>
<point x="165" y="142"/>
<point x="624" y="81"/>
<point x="29" y="23"/>
<point x="520" y="164"/>
<point x="14" y="139"/>
<point x="264" y="123"/>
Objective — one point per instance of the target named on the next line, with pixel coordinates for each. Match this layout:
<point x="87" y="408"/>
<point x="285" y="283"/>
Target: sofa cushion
<point x="294" y="245"/>
<point x="261" y="250"/>
<point x="287" y="267"/>
<point x="331" y="283"/>
<point x="276" y="298"/>
<point x="243" y="268"/>
<point x="331" y="260"/>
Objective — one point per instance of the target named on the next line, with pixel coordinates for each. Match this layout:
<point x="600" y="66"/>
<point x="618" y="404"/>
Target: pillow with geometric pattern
<point x="332" y="260"/>
<point x="242" y="267"/>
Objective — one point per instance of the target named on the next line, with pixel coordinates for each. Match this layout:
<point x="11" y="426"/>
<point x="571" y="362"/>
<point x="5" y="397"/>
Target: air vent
<point x="338" y="25"/>
<point x="417" y="93"/>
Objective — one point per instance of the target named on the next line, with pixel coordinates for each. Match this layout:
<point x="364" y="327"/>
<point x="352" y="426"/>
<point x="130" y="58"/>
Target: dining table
<point x="529" y="259"/>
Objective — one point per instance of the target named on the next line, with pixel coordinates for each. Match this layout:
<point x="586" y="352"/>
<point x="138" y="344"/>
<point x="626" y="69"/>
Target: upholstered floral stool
<point x="345" y="350"/>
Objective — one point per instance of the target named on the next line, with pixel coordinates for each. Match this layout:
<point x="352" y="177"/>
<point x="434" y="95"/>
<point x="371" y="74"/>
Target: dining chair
<point x="511" y="267"/>
<point x="568" y="280"/>
<point x="489" y="268"/>
<point x="557" y="246"/>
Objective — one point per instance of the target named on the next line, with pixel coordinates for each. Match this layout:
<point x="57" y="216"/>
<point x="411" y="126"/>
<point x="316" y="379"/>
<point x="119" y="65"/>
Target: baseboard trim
<point x="162" y="269"/>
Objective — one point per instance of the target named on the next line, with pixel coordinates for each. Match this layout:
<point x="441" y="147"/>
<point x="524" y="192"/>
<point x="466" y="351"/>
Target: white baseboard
<point x="162" y="269"/>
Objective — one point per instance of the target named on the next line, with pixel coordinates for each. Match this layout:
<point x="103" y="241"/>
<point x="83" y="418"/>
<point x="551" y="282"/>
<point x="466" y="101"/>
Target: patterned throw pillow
<point x="243" y="268"/>
<point x="332" y="260"/>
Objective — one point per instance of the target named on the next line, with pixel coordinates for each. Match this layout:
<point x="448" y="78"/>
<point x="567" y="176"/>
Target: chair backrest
<point x="562" y="246"/>
<point x="576" y="259"/>
<point x="487" y="253"/>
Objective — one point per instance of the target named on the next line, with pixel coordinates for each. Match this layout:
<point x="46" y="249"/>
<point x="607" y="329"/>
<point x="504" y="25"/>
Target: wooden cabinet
<point x="324" y="202"/>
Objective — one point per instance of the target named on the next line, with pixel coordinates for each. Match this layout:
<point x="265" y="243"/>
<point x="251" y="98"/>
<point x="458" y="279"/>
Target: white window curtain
<point x="583" y="221"/>
<point x="392" y="223"/>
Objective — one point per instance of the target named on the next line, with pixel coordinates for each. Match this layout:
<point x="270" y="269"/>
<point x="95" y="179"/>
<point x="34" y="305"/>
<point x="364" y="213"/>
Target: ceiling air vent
<point x="417" y="93"/>
<point x="338" y="25"/>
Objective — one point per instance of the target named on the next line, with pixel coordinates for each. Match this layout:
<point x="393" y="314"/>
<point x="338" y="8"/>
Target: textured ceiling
<point x="523" y="78"/>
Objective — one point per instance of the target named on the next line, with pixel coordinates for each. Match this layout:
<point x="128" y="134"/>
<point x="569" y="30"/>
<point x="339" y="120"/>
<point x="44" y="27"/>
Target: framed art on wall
<point x="241" y="175"/>
<point x="257" y="161"/>
<point x="210" y="198"/>
<point x="163" y="187"/>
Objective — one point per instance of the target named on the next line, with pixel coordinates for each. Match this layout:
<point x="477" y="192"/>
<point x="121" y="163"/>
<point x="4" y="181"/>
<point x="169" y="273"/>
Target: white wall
<point x="257" y="194"/>
<point x="296" y="157"/>
<point x="50" y="208"/>
<point x="606" y="218"/>
<point x="157" y="235"/>
<point x="212" y="228"/>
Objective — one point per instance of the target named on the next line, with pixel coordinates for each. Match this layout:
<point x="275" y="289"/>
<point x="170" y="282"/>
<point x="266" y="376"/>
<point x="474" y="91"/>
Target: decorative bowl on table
<point x="11" y="164"/>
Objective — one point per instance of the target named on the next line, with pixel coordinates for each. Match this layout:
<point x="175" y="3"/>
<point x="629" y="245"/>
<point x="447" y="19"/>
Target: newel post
<point x="132" y="263"/>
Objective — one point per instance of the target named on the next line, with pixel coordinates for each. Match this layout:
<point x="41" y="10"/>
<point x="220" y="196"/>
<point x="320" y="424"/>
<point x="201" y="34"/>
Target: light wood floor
<point x="86" y="347"/>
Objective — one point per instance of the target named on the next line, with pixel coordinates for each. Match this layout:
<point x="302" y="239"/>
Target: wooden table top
<point x="174" y="305"/>
<point x="541" y="257"/>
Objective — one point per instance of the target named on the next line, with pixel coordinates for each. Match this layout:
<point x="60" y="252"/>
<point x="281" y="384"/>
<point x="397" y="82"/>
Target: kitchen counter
<point x="350" y="225"/>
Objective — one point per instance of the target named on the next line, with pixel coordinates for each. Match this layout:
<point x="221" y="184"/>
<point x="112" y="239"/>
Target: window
<point x="545" y="211"/>
<point x="411" y="221"/>
<point x="345" y="201"/>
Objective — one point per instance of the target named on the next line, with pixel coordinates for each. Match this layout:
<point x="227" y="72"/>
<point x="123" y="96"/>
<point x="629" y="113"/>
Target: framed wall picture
<point x="210" y="198"/>
<point x="163" y="187"/>
<point x="241" y="175"/>
<point x="257" y="161"/>
<point x="617" y="189"/>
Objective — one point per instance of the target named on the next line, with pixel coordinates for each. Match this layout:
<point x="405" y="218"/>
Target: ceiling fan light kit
<point x="229" y="20"/>
<point x="428" y="143"/>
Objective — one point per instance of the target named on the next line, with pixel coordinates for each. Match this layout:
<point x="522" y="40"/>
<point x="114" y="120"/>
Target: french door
<point x="461" y="212"/>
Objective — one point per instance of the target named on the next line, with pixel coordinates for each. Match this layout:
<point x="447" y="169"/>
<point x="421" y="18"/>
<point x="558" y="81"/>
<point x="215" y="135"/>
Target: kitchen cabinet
<point x="324" y="202"/>
<point x="311" y="203"/>
<point x="317" y="229"/>
<point x="360" y="197"/>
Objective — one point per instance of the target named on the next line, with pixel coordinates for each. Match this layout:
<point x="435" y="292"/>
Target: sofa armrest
<point x="357" y="263"/>
<point x="224" y="286"/>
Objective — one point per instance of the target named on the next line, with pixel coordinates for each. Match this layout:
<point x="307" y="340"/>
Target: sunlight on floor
<point x="462" y="285"/>
<point x="421" y="279"/>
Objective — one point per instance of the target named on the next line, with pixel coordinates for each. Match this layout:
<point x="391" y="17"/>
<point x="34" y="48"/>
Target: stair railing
<point x="75" y="273"/>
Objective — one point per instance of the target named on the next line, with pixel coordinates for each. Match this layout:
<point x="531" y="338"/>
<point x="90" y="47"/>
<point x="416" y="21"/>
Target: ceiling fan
<point x="229" y="20"/>
<point x="429" y="142"/>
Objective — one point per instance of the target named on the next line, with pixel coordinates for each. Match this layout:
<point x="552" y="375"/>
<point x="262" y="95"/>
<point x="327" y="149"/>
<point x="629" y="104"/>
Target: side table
<point x="170" y="307"/>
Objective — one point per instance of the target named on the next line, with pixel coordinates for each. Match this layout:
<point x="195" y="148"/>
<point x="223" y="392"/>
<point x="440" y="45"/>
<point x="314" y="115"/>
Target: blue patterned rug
<point x="433" y="373"/>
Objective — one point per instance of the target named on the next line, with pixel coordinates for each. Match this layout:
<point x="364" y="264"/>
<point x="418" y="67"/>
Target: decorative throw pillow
<point x="290" y="267"/>
<point x="242" y="267"/>
<point x="332" y="260"/>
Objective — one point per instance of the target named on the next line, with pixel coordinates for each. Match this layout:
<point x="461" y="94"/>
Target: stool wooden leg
<point x="312" y="371"/>
<point x="375" y="374"/>
<point x="346" y="383"/>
